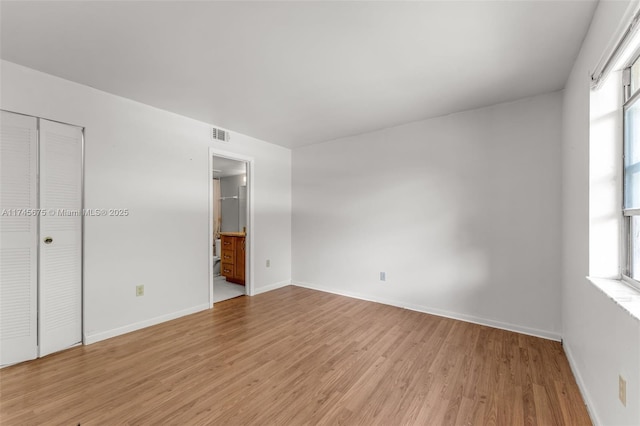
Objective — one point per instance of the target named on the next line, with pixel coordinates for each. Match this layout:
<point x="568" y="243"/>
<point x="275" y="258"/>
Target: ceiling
<point x="297" y="73"/>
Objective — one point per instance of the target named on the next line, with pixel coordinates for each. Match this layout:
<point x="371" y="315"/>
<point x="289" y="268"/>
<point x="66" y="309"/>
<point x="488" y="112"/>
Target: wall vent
<point x="220" y="135"/>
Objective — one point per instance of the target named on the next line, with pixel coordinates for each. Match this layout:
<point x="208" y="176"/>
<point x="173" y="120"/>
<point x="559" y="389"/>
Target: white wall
<point x="462" y="212"/>
<point x="230" y="208"/>
<point x="601" y="340"/>
<point x="154" y="163"/>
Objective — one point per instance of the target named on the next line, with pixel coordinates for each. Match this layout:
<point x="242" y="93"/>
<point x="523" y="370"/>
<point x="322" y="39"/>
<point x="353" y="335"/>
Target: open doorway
<point x="229" y="224"/>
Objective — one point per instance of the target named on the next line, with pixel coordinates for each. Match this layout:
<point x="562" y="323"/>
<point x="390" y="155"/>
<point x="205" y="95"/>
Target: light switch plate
<point x="622" y="390"/>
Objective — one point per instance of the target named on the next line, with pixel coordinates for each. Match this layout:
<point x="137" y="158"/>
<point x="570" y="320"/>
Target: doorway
<point x="230" y="192"/>
<point x="41" y="170"/>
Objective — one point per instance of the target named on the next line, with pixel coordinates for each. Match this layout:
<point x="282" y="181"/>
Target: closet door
<point x="19" y="238"/>
<point x="60" y="301"/>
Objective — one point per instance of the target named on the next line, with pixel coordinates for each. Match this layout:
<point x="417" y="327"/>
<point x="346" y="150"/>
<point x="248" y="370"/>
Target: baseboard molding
<point x="581" y="385"/>
<point x="439" y="312"/>
<point x="97" y="337"/>
<point x="271" y="287"/>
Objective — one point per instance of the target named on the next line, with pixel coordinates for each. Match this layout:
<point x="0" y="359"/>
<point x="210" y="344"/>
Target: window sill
<point x="627" y="297"/>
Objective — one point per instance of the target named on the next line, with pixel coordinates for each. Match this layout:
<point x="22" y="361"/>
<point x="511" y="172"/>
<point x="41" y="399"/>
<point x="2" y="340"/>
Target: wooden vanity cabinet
<point x="232" y="259"/>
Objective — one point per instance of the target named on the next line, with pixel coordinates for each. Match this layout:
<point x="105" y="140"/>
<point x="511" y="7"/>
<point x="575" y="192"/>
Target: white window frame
<point x="629" y="99"/>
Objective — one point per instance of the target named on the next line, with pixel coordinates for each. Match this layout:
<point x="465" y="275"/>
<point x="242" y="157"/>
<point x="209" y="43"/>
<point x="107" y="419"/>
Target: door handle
<point x="48" y="240"/>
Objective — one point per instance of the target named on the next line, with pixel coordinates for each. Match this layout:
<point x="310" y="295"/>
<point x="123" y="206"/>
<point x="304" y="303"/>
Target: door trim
<point x="82" y="292"/>
<point x="249" y="266"/>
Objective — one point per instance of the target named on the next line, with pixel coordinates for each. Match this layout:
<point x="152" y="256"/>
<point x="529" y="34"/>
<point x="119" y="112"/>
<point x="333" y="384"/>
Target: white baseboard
<point x="581" y="385"/>
<point x="439" y="312"/>
<point x="97" y="337"/>
<point x="271" y="287"/>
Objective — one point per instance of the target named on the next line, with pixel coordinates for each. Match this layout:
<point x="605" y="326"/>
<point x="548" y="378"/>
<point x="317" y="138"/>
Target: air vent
<point x="220" y="135"/>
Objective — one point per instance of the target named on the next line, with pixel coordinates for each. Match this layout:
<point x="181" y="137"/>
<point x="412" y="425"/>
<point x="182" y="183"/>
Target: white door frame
<point x="249" y="238"/>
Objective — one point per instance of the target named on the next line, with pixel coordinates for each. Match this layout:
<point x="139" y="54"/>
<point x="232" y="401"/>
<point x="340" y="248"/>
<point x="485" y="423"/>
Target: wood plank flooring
<point x="295" y="356"/>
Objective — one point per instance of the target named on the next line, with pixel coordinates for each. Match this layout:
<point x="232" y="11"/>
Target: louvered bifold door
<point x="18" y="238"/>
<point x="60" y="301"/>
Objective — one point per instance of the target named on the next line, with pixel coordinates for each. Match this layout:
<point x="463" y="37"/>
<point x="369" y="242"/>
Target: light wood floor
<point x="296" y="356"/>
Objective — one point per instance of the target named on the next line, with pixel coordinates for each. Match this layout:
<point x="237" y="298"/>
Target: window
<point x="631" y="181"/>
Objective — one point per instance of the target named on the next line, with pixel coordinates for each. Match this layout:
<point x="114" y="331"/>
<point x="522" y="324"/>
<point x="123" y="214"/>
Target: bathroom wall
<point x="230" y="208"/>
<point x="462" y="212"/>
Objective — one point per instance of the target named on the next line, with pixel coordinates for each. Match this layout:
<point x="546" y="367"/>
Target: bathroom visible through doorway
<point x="229" y="227"/>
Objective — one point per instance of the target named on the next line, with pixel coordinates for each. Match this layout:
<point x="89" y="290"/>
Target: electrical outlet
<point x="622" y="390"/>
<point x="268" y="263"/>
<point x="383" y="276"/>
<point x="139" y="290"/>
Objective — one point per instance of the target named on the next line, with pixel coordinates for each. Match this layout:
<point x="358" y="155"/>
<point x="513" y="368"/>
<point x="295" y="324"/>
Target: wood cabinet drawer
<point x="232" y="258"/>
<point x="227" y="256"/>
<point x="227" y="270"/>
<point x="228" y="243"/>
